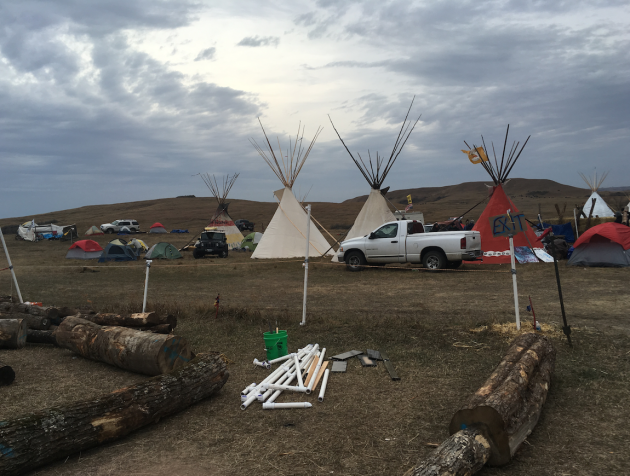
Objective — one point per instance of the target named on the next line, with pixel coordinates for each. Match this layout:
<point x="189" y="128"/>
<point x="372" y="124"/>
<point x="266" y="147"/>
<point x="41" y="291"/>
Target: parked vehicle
<point x="405" y="241"/>
<point x="244" y="225"/>
<point x="116" y="225"/>
<point x="211" y="243"/>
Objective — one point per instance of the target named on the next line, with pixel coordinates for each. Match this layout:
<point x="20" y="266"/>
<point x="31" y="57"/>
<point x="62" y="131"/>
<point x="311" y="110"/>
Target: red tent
<point x="86" y="245"/>
<point x="497" y="249"/>
<point x="157" y="224"/>
<point x="615" y="232"/>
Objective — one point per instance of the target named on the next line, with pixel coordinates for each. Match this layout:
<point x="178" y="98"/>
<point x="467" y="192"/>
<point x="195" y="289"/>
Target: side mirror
<point x="372" y="236"/>
<point x="225" y="240"/>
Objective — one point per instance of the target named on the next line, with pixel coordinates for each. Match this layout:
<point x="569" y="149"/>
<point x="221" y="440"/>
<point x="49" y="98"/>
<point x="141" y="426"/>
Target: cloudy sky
<point x="117" y="100"/>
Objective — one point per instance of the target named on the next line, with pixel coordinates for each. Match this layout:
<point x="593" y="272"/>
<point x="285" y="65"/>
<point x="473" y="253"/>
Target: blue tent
<point x="565" y="229"/>
<point x="115" y="252"/>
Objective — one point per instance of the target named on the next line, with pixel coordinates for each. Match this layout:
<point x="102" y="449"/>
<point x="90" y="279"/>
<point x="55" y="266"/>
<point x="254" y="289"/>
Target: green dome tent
<point x="163" y="251"/>
<point x="251" y="241"/>
<point x="114" y="252"/>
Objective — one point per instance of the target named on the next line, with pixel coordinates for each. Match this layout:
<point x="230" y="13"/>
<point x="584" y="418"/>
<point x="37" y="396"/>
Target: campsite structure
<point x="162" y="250"/>
<point x="375" y="211"/>
<point x="496" y="249"/>
<point x="605" y="245"/>
<point x="84" y="249"/>
<point x="221" y="220"/>
<point x="94" y="230"/>
<point x="285" y="236"/>
<point x="157" y="227"/>
<point x="600" y="208"/>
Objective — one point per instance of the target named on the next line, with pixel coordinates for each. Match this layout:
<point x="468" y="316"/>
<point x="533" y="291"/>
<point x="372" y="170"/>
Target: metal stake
<point x="566" y="328"/>
<point x="146" y="286"/>
<point x="308" y="234"/>
<point x="6" y="252"/>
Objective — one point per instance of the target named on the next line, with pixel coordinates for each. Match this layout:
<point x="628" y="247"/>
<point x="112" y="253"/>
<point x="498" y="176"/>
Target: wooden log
<point x="33" y="322"/>
<point x="39" y="438"/>
<point x="462" y="454"/>
<point x="7" y="374"/>
<point x="13" y="333"/>
<point x="159" y="329"/>
<point x="40" y="337"/>
<point x="130" y="349"/>
<point x="509" y="403"/>
<point x="141" y="319"/>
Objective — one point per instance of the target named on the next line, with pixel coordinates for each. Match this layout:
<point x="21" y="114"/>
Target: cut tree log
<point x="159" y="329"/>
<point x="39" y="438"/>
<point x="501" y="414"/>
<point x="141" y="319"/>
<point x="7" y="374"/>
<point x="33" y="322"/>
<point x="462" y="454"/>
<point x="40" y="337"/>
<point x="13" y="333"/>
<point x="130" y="349"/>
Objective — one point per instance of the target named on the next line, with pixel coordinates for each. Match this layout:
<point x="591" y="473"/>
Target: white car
<point x="116" y="225"/>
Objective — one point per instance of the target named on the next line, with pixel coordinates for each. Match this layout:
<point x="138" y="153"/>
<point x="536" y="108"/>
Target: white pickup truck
<point x="405" y="241"/>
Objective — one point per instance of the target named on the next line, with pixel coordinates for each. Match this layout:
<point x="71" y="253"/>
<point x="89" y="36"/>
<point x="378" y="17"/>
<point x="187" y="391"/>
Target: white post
<point x="518" y="318"/>
<point x="146" y="287"/>
<point x="6" y="252"/>
<point x="308" y="235"/>
<point x="577" y="232"/>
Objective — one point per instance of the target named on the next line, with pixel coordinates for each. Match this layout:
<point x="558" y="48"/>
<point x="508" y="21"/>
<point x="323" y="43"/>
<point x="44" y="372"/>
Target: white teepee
<point x="221" y="220"/>
<point x="285" y="236"/>
<point x="600" y="209"/>
<point x="375" y="211"/>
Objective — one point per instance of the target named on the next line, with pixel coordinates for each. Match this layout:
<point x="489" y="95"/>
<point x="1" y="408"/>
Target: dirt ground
<point x="368" y="424"/>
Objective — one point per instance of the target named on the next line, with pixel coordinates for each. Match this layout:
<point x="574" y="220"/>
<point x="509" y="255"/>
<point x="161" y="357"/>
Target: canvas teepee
<point x="221" y="219"/>
<point x="600" y="209"/>
<point x="285" y="236"/>
<point x="375" y="211"/>
<point x="497" y="249"/>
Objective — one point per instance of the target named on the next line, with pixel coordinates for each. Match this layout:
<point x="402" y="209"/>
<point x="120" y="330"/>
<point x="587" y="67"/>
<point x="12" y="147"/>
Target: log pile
<point x="34" y="336"/>
<point x="130" y="349"/>
<point x="13" y="333"/>
<point x="39" y="438"/>
<point x="7" y="375"/>
<point x="497" y="418"/>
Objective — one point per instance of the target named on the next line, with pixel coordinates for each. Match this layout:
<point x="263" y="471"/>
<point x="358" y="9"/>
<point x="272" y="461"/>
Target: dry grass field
<point x="444" y="332"/>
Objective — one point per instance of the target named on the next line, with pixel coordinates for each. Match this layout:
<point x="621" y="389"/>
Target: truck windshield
<point x="387" y="231"/>
<point x="212" y="236"/>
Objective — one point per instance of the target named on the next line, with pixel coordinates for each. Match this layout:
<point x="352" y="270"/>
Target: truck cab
<point x="211" y="243"/>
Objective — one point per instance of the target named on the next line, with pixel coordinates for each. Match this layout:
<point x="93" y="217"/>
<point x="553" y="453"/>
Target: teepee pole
<point x="146" y="287"/>
<point x="6" y="252"/>
<point x="308" y="234"/>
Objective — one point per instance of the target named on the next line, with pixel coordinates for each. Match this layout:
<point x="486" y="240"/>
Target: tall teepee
<point x="601" y="209"/>
<point x="497" y="249"/>
<point x="285" y="236"/>
<point x="375" y="211"/>
<point x="221" y="219"/>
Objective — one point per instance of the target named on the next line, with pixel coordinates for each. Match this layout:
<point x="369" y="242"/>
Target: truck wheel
<point x="355" y="261"/>
<point x="453" y="264"/>
<point x="109" y="231"/>
<point x="197" y="253"/>
<point x="223" y="254"/>
<point x="434" y="260"/>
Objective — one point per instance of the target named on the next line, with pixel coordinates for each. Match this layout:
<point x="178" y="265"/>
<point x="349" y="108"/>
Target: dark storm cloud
<point x="255" y="41"/>
<point x="206" y="54"/>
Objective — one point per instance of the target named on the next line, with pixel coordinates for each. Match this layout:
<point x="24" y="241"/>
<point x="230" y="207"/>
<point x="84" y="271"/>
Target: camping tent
<point x="605" y="245"/>
<point x="114" y="252"/>
<point x="496" y="249"/>
<point x="157" y="227"/>
<point x="84" y="249"/>
<point x="119" y="241"/>
<point x="94" y="231"/>
<point x="221" y="220"/>
<point x="163" y="250"/>
<point x="600" y="209"/>
<point x="137" y="246"/>
<point x="285" y="235"/>
<point x="30" y="230"/>
<point x="251" y="241"/>
<point x="375" y="211"/>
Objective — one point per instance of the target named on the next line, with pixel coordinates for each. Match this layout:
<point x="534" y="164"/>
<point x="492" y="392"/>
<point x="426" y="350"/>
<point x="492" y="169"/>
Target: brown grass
<point x="444" y="333"/>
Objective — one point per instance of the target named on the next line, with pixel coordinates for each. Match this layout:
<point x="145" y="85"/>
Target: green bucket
<point x="276" y="344"/>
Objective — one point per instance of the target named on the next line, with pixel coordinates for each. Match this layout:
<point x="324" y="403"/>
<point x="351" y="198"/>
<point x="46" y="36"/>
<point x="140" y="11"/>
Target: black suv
<point x="211" y="243"/>
<point x="244" y="225"/>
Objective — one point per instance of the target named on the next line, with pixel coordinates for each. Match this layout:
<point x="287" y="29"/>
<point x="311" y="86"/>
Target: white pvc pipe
<point x="290" y="388"/>
<point x="290" y="356"/>
<point x="283" y="380"/>
<point x="146" y="287"/>
<point x="299" y="374"/>
<point x="324" y="383"/>
<point x="275" y="406"/>
<point x="577" y="232"/>
<point x="247" y="389"/>
<point x="6" y="252"/>
<point x="518" y="317"/>
<point x="308" y="235"/>
<point x="264" y="365"/>
<point x="253" y="393"/>
<point x="309" y="356"/>
<point x="316" y="371"/>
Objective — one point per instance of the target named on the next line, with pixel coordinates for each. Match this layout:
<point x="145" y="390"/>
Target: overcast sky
<point x="118" y="100"/>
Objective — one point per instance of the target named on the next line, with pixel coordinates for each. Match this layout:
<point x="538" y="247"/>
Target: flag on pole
<point x="476" y="156"/>
<point x="409" y="207"/>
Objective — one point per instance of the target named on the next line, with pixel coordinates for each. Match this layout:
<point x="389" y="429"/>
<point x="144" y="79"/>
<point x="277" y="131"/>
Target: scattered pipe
<point x="273" y="406"/>
<point x="247" y="389"/>
<point x="299" y="374"/>
<point x="324" y="383"/>
<point x="319" y="366"/>
<point x="291" y="388"/>
<point x="265" y="364"/>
